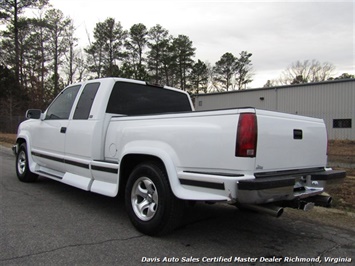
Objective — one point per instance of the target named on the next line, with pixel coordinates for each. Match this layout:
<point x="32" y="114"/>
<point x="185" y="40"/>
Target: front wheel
<point x="22" y="169"/>
<point x="151" y="206"/>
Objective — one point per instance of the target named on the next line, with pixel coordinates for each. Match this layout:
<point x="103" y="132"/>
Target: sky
<point x="277" y="33"/>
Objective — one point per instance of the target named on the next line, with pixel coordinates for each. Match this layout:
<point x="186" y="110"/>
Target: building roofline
<point x="280" y="87"/>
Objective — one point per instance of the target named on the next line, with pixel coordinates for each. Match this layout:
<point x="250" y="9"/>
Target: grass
<point x="7" y="140"/>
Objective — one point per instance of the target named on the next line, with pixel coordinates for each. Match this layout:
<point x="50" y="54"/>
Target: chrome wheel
<point x="21" y="162"/>
<point x="144" y="198"/>
<point x="150" y="203"/>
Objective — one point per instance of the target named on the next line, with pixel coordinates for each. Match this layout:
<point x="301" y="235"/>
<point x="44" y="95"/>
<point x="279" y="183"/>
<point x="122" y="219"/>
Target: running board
<point x="50" y="173"/>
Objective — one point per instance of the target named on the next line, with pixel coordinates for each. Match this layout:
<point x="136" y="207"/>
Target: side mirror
<point x="33" y="114"/>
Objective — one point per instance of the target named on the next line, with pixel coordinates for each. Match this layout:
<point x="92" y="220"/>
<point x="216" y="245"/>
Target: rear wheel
<point x="22" y="169"/>
<point x="152" y="207"/>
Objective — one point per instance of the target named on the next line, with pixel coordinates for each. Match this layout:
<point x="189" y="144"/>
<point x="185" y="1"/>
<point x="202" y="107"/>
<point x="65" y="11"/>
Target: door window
<point x="61" y="106"/>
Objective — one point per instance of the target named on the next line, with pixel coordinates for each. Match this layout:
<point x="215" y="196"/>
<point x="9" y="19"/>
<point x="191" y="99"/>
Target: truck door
<point x="49" y="141"/>
<point x="83" y="136"/>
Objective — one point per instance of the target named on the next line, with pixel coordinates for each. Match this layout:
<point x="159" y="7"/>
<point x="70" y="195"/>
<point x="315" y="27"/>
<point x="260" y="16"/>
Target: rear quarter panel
<point x="196" y="141"/>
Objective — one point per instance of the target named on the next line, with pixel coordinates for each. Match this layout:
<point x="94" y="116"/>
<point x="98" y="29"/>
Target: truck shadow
<point x="217" y="229"/>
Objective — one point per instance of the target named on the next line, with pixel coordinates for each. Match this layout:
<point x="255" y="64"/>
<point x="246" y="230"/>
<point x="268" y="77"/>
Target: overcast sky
<point x="277" y="33"/>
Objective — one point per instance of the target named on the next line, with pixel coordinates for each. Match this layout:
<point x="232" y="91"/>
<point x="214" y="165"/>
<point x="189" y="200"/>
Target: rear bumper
<point x="285" y="188"/>
<point x="328" y="175"/>
<point x="258" y="188"/>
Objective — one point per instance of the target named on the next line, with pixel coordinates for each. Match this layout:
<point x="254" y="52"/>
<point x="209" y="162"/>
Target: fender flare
<point x="25" y="136"/>
<point x="152" y="149"/>
<point x="168" y="157"/>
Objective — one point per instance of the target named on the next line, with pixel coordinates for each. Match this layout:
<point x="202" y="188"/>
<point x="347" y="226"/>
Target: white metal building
<point x="333" y="101"/>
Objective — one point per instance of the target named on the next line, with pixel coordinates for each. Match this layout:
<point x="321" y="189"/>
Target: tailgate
<point x="289" y="142"/>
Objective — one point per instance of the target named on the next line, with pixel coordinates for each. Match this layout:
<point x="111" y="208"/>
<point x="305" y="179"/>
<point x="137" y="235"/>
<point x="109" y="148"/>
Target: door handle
<point x="63" y="130"/>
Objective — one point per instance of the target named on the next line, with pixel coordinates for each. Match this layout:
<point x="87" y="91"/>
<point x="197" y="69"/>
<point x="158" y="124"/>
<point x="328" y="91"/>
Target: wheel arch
<point x="24" y="138"/>
<point x="131" y="160"/>
<point x="21" y="140"/>
<point x="23" y="164"/>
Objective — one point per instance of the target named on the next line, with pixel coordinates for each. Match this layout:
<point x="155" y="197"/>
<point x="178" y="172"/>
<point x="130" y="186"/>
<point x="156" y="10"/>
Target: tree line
<point x="40" y="55"/>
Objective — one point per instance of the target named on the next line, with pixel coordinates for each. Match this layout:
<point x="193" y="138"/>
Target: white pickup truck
<point x="115" y="135"/>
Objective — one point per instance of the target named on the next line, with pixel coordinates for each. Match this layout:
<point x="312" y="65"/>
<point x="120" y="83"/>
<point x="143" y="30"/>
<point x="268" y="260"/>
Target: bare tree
<point x="307" y="71"/>
<point x="70" y="55"/>
<point x="81" y="66"/>
<point x="57" y="25"/>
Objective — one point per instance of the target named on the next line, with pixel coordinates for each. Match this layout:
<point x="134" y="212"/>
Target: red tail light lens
<point x="246" y="135"/>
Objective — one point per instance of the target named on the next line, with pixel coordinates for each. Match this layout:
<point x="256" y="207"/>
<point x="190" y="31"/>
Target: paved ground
<point x="48" y="223"/>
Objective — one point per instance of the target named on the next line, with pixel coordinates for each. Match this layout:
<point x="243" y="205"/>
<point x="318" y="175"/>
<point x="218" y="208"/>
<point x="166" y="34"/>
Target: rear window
<point x="136" y="99"/>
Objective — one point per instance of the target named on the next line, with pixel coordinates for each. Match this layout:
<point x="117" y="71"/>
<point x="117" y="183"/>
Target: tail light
<point x="246" y="135"/>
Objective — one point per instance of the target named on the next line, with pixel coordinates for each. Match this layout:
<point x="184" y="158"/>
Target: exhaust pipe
<point x="321" y="200"/>
<point x="266" y="209"/>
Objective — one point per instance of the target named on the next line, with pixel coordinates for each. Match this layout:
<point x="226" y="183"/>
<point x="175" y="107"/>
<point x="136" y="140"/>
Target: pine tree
<point x="106" y="50"/>
<point x="199" y="77"/>
<point x="158" y="43"/>
<point x="243" y="73"/>
<point x="183" y="52"/>
<point x="224" y="70"/>
<point x="11" y="9"/>
<point x="135" y="45"/>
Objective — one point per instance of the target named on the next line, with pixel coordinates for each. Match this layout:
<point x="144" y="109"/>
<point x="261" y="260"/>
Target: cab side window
<point x="86" y="100"/>
<point x="61" y="106"/>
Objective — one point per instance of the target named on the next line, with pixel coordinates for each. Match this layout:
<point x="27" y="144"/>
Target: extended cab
<point x="114" y="135"/>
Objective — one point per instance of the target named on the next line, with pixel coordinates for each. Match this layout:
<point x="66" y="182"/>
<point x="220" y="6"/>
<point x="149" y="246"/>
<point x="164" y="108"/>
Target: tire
<point x="22" y="169"/>
<point x="151" y="206"/>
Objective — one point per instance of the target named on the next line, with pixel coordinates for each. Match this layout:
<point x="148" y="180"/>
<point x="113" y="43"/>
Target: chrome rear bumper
<point x="263" y="190"/>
